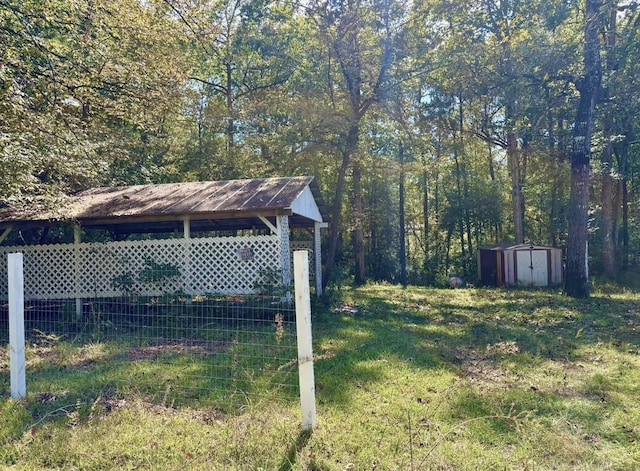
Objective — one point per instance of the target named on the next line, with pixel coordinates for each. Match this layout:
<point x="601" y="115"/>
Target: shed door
<point x="532" y="267"/>
<point x="489" y="267"/>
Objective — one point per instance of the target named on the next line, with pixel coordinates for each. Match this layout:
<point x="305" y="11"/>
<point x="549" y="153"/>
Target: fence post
<point x="305" y="348"/>
<point x="16" y="326"/>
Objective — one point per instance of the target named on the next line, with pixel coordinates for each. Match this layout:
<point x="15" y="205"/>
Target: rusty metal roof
<point x="157" y="203"/>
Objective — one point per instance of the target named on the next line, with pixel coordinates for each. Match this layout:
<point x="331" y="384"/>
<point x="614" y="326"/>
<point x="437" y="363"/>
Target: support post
<point x="5" y="233"/>
<point x="186" y="228"/>
<point x="285" y="249"/>
<point x="16" y="326"/>
<point x="76" y="255"/>
<point x="186" y="267"/>
<point x="317" y="250"/>
<point x="305" y="347"/>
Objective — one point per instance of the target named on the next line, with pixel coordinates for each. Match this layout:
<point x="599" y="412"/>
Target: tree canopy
<point x="433" y="127"/>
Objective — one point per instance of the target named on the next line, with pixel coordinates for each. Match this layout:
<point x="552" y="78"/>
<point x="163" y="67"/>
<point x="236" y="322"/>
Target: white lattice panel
<point x="227" y="265"/>
<point x="218" y="267"/>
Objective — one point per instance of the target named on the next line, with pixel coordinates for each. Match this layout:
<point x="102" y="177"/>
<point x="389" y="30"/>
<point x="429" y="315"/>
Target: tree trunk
<point x="426" y="227"/>
<point x="517" y="196"/>
<point x="625" y="225"/>
<point x="461" y="186"/>
<point x="610" y="186"/>
<point x="623" y="165"/>
<point x="577" y="274"/>
<point x="512" y="148"/>
<point x="610" y="211"/>
<point x="336" y="210"/>
<point x="231" y="125"/>
<point x="401" y="224"/>
<point x="358" y="231"/>
<point x="460" y="199"/>
<point x="513" y="159"/>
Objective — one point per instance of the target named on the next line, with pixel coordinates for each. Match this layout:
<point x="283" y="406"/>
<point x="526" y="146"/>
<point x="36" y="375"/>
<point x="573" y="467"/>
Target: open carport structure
<point x="220" y="236"/>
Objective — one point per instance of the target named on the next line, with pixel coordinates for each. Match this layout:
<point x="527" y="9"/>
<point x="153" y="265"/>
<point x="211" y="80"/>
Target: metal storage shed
<point x="520" y="265"/>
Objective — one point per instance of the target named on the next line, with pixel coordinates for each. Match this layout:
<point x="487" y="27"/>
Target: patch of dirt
<point x="108" y="403"/>
<point x="152" y="352"/>
<point x="344" y="308"/>
<point x="481" y="367"/>
<point x="503" y="348"/>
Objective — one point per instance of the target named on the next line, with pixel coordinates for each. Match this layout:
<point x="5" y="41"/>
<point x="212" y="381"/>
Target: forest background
<point x="433" y="127"/>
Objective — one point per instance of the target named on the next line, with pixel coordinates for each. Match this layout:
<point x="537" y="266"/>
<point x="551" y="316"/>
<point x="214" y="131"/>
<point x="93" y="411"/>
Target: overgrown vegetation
<point x="405" y="380"/>
<point x="438" y="126"/>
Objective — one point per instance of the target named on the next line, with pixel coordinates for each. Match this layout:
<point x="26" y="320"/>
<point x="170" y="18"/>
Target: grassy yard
<point x="415" y="379"/>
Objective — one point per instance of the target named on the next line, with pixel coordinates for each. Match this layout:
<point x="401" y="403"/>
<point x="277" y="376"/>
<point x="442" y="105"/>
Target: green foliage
<point x="85" y="87"/>
<point x="481" y="97"/>
<point x="269" y="283"/>
<point x="155" y="272"/>
<point x="123" y="282"/>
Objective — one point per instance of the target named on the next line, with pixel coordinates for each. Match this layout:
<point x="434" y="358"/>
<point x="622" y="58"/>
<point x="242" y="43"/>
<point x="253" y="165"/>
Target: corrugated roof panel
<point x="174" y="199"/>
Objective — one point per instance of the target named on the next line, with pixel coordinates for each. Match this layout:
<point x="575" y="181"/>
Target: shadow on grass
<point x="185" y="356"/>
<point x="431" y="329"/>
<point x="425" y="330"/>
<point x="292" y="453"/>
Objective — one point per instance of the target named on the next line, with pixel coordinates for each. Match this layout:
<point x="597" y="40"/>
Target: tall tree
<point x="361" y="36"/>
<point x="242" y="48"/>
<point x="617" y="105"/>
<point x="84" y="86"/>
<point x="589" y="85"/>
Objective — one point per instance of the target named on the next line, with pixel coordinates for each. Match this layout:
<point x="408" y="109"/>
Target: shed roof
<point x="512" y="246"/>
<point x="228" y="204"/>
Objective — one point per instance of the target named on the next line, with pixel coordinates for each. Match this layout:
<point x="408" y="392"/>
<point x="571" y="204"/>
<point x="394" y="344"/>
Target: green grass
<point x="414" y="379"/>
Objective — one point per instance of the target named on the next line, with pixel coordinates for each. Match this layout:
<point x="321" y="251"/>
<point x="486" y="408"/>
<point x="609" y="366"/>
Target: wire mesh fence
<point x="172" y="349"/>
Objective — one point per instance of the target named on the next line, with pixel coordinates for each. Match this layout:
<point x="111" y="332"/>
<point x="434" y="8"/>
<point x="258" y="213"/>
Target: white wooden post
<point x="16" y="326"/>
<point x="285" y="250"/>
<point x="76" y="258"/>
<point x="186" y="266"/>
<point x="305" y="348"/>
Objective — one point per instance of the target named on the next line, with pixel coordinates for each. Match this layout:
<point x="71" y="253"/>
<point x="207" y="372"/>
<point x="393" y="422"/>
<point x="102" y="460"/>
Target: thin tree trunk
<point x="625" y="225"/>
<point x="425" y="211"/>
<point x="554" y="210"/>
<point x="465" y="187"/>
<point x="517" y="196"/>
<point x="512" y="148"/>
<point x="577" y="274"/>
<point x="401" y="224"/>
<point x="623" y="165"/>
<point x="231" y="127"/>
<point x="358" y="232"/>
<point x="609" y="207"/>
<point x="610" y="193"/>
<point x="459" y="197"/>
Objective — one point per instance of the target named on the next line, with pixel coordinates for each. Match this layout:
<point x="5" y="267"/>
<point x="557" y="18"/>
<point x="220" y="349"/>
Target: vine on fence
<point x="153" y="273"/>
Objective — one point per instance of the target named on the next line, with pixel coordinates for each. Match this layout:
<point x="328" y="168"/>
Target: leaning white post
<point x="16" y="326"/>
<point x="305" y="348"/>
